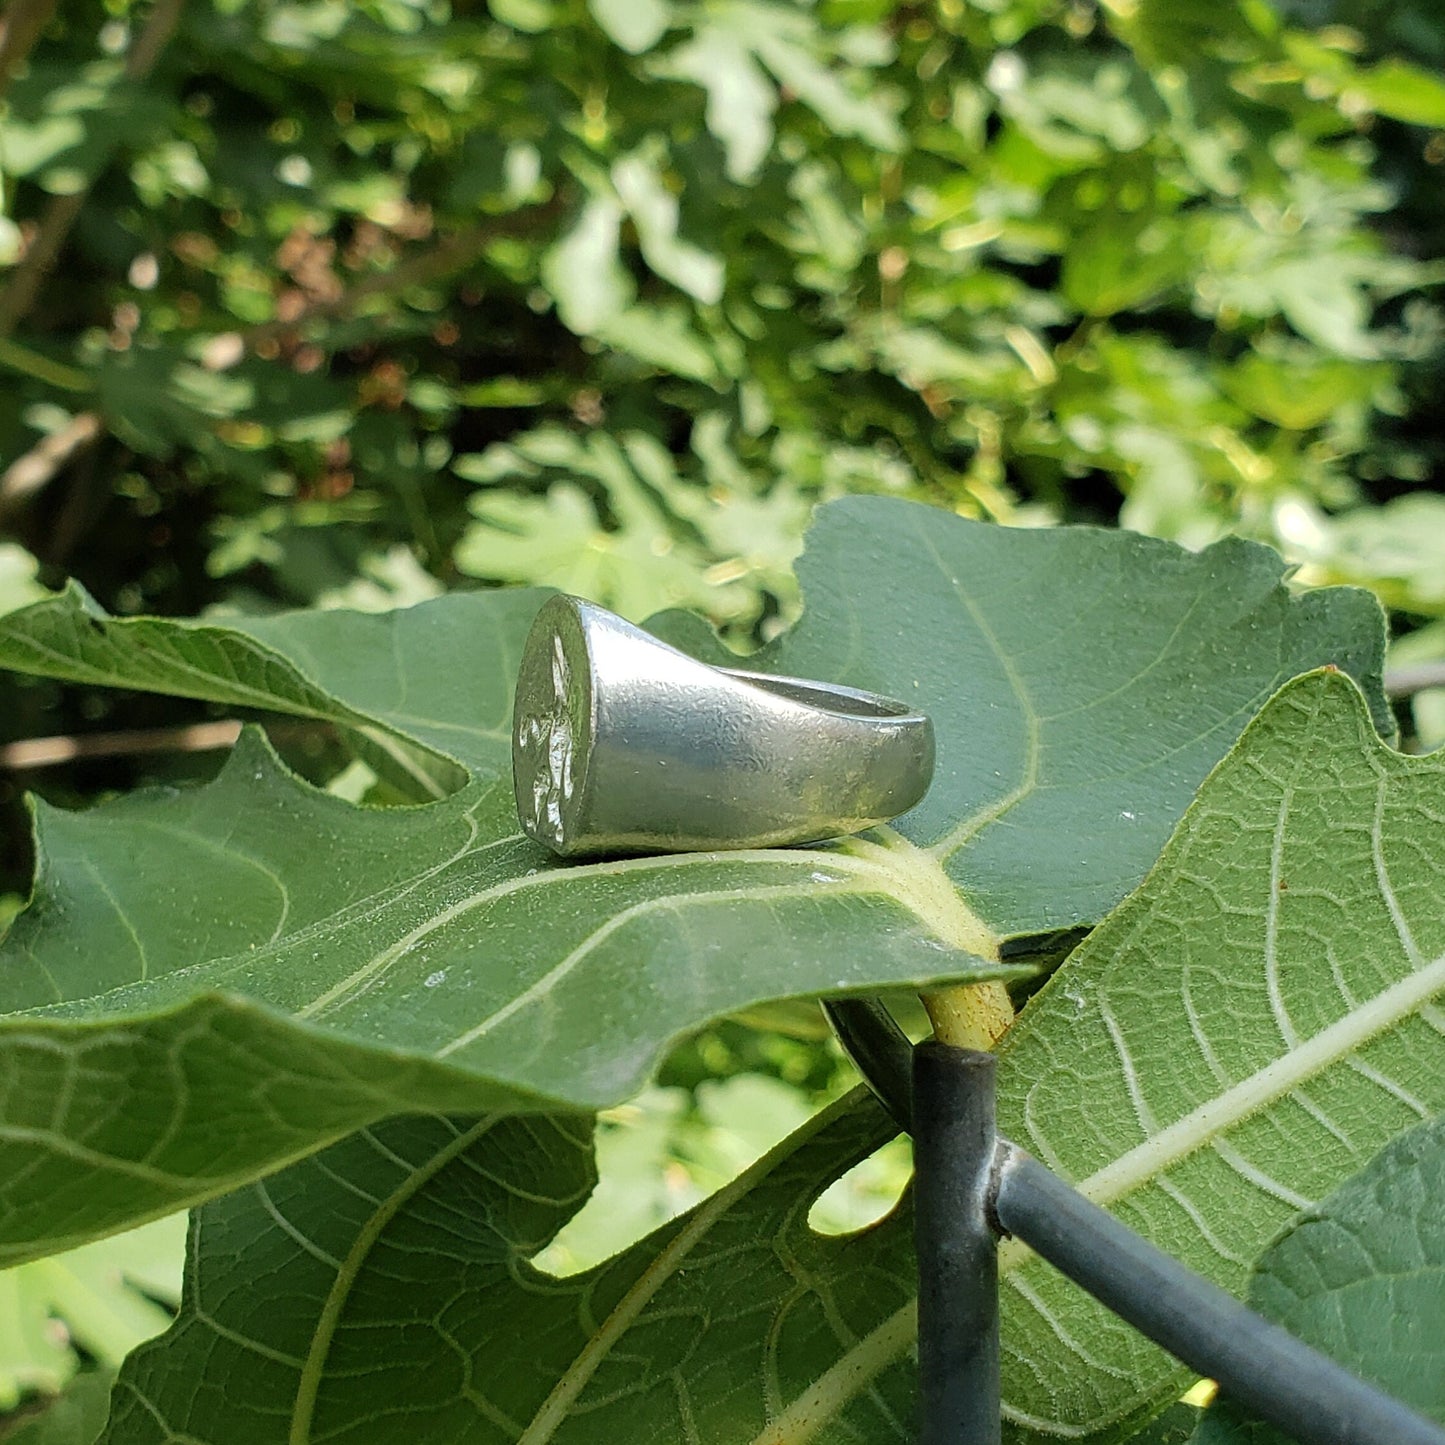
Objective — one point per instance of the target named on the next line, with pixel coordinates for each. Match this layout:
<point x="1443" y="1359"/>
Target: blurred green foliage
<point x="344" y="302"/>
<point x="607" y="294"/>
<point x="102" y="1299"/>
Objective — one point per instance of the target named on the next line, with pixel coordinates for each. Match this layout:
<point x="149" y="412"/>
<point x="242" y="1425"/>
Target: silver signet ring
<point x="622" y="744"/>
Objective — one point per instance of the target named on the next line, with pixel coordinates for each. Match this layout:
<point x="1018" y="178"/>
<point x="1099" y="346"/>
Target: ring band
<point x="622" y="744"/>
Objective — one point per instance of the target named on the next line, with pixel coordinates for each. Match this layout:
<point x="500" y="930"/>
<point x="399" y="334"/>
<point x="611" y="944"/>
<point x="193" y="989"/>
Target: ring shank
<point x="827" y="696"/>
<point x="623" y="744"/>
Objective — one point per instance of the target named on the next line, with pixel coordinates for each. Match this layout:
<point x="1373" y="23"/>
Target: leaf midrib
<point x="884" y="866"/>
<point x="893" y="869"/>
<point x="313" y="1370"/>
<point x="1296" y="1066"/>
<point x="556" y="1407"/>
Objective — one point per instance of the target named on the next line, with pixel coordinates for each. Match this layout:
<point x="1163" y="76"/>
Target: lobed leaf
<point x="635" y="25"/>
<point x="1211" y="1031"/>
<point x="740" y="98"/>
<point x="583" y="271"/>
<point x="409" y="1244"/>
<point x="1362" y="1277"/>
<point x="1235" y="1040"/>
<point x="212" y="983"/>
<point x="1082" y="684"/>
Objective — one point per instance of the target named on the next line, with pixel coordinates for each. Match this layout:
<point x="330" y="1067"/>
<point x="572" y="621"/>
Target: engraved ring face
<point x="622" y="744"/>
<point x="551" y="733"/>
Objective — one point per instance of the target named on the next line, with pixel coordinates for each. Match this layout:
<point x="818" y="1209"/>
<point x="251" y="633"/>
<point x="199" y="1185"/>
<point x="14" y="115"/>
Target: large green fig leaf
<point x="1261" y="1016"/>
<point x="1259" y="1019"/>
<point x="1082" y="683"/>
<point x="405" y="958"/>
<point x="406" y="1302"/>
<point x="260" y="956"/>
<point x="1362" y="1277"/>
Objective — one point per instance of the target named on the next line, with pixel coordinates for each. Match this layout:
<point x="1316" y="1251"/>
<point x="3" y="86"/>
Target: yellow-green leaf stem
<point x="970" y="1016"/>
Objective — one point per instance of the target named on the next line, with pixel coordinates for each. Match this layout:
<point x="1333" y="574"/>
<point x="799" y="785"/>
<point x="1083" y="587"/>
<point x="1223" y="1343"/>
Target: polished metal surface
<point x="622" y="744"/>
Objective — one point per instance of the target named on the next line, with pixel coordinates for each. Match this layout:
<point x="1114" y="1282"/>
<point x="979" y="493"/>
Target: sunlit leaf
<point x="369" y="961"/>
<point x="654" y="211"/>
<point x="740" y="98"/>
<point x="1403" y="92"/>
<point x="18" y="584"/>
<point x="1362" y="1278"/>
<point x="636" y="25"/>
<point x="1298" y="1029"/>
<point x="583" y="272"/>
<point x="843" y="111"/>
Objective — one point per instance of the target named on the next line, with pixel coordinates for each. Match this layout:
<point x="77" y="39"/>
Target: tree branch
<point x="20" y="27"/>
<point x="454" y="253"/>
<point x="32" y="471"/>
<point x="154" y="37"/>
<point x="47" y="752"/>
<point x="29" y="473"/>
<point x="1407" y="681"/>
<point x="39" y="259"/>
<point x="190" y="738"/>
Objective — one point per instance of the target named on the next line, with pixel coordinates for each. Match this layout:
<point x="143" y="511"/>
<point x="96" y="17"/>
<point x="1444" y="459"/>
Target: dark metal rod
<point x="954" y="1148"/>
<point x="880" y="1049"/>
<point x="1256" y="1363"/>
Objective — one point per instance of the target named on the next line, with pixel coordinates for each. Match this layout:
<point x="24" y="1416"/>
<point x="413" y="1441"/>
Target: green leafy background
<point x="359" y="300"/>
<point x="350" y="306"/>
